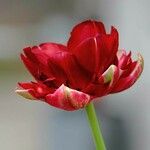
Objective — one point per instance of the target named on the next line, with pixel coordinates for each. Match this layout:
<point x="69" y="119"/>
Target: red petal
<point x="106" y="81"/>
<point x="87" y="54"/>
<point x="116" y="73"/>
<point x="68" y="99"/>
<point x="128" y="69"/>
<point x="77" y="77"/>
<point x="126" y="82"/>
<point x="33" y="69"/>
<point x="85" y="30"/>
<point x="123" y="59"/>
<point x="57" y="72"/>
<point x="36" y="90"/>
<point x="108" y="47"/>
<point x="97" y="53"/>
<point x="110" y="75"/>
<point x="40" y="56"/>
<point x="96" y="90"/>
<point x="42" y="52"/>
<point x="39" y="60"/>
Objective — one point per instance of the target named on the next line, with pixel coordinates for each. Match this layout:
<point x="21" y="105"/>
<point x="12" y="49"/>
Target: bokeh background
<point x="125" y="117"/>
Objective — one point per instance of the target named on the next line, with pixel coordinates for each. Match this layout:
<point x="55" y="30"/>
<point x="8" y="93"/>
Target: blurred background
<point x="25" y="125"/>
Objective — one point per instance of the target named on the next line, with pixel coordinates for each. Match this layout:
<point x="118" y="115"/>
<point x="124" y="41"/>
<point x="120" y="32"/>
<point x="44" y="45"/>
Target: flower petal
<point x="123" y="59"/>
<point x="42" y="52"/>
<point x="106" y="82"/>
<point x="108" y="47"/>
<point x="77" y="76"/>
<point x="96" y="90"/>
<point x="110" y="77"/>
<point x="101" y="50"/>
<point x="37" y="61"/>
<point x="33" y="90"/>
<point x="85" y="30"/>
<point x="33" y="69"/>
<point x="68" y="99"/>
<point x="126" y="82"/>
<point x="25" y="93"/>
<point x="84" y="51"/>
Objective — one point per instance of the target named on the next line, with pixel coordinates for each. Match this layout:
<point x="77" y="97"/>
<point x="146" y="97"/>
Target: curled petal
<point x="68" y="99"/>
<point x="33" y="90"/>
<point x="37" y="59"/>
<point x="110" y="77"/>
<point x="25" y="93"/>
<point x="106" y="82"/>
<point x="123" y="59"/>
<point x="85" y="30"/>
<point x="121" y="54"/>
<point x="126" y="82"/>
<point x="111" y="74"/>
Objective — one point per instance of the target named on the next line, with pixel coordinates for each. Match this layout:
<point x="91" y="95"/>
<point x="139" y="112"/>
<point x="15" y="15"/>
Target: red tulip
<point x="69" y="77"/>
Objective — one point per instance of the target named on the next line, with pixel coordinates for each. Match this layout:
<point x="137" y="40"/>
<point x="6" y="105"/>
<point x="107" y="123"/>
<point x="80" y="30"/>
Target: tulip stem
<point x="96" y="132"/>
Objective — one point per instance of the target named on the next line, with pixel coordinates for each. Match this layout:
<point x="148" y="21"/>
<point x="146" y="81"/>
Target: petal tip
<point x="25" y="94"/>
<point x="140" y="60"/>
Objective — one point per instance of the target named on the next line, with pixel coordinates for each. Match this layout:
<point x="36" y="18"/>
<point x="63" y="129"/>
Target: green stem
<point x="97" y="135"/>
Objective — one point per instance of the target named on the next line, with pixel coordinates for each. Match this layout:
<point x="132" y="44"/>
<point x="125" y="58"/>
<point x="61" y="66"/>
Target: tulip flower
<point x="71" y="76"/>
